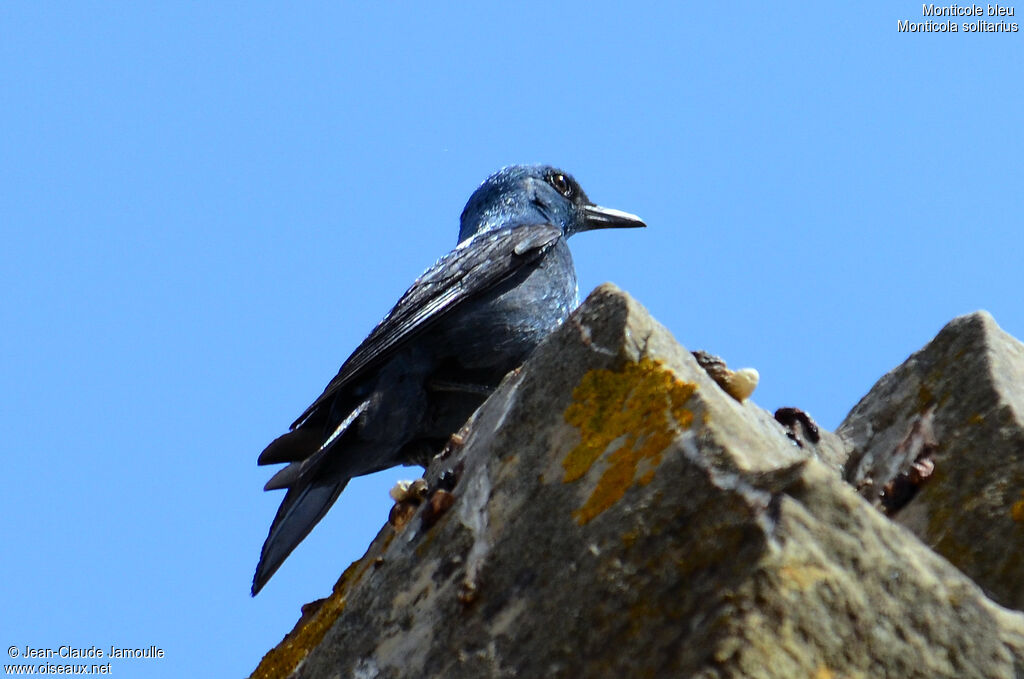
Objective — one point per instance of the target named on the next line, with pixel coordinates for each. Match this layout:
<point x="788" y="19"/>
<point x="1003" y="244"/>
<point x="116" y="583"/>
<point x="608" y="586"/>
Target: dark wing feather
<point x="476" y="265"/>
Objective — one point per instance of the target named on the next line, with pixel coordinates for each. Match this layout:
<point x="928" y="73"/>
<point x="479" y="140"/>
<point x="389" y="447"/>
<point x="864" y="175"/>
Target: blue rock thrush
<point x="466" y="322"/>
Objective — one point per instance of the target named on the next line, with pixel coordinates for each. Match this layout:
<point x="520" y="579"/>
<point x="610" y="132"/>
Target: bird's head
<point x="537" y="194"/>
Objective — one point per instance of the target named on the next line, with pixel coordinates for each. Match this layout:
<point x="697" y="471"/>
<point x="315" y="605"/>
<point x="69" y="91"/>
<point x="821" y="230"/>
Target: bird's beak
<point x="597" y="217"/>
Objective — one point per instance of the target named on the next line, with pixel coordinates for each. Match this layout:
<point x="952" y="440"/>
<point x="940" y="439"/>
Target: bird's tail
<point x="314" y="478"/>
<point x="302" y="508"/>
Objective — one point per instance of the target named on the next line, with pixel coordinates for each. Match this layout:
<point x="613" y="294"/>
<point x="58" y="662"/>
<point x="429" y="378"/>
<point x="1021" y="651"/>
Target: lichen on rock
<point x="640" y="410"/>
<point x="610" y="511"/>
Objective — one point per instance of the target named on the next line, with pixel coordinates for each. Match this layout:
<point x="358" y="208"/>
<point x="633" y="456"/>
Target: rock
<point x="739" y="384"/>
<point x="950" y="418"/>
<point x="804" y="432"/>
<point x="613" y="512"/>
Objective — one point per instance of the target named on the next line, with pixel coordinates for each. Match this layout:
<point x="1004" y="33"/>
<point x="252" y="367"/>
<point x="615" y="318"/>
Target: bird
<point x="467" y="321"/>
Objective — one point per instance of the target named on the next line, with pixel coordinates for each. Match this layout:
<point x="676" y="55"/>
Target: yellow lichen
<point x="802" y="576"/>
<point x="823" y="672"/>
<point x="629" y="538"/>
<point x="641" y="408"/>
<point x="1017" y="510"/>
<point x="281" y="661"/>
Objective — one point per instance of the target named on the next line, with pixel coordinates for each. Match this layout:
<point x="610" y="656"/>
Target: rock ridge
<point x="611" y="511"/>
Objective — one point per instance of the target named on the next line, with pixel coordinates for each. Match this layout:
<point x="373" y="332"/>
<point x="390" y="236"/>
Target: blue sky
<point x="206" y="206"/>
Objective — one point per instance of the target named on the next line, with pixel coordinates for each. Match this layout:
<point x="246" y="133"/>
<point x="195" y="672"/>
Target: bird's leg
<point x="408" y="496"/>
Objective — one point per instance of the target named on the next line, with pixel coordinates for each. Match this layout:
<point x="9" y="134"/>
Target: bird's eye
<point x="561" y="184"/>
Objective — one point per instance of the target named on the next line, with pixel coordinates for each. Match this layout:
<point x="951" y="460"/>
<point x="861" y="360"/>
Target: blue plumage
<point x="468" y="320"/>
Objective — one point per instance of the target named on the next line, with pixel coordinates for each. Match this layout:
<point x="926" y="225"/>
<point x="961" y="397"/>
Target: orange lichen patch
<point x="976" y="418"/>
<point x="642" y="407"/>
<point x="1017" y="510"/>
<point x="629" y="538"/>
<point x="281" y="661"/>
<point x="823" y="672"/>
<point x="802" y="576"/>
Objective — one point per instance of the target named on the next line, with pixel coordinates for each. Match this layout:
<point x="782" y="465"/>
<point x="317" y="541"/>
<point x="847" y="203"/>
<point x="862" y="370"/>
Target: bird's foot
<point x="405" y="491"/>
<point x="408" y="496"/>
<point x="439" y="503"/>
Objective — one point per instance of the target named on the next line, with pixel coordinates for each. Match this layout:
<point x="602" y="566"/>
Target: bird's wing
<point x="476" y="265"/>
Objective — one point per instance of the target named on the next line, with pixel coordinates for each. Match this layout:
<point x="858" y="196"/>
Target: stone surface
<point x="956" y="404"/>
<point x="615" y="513"/>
